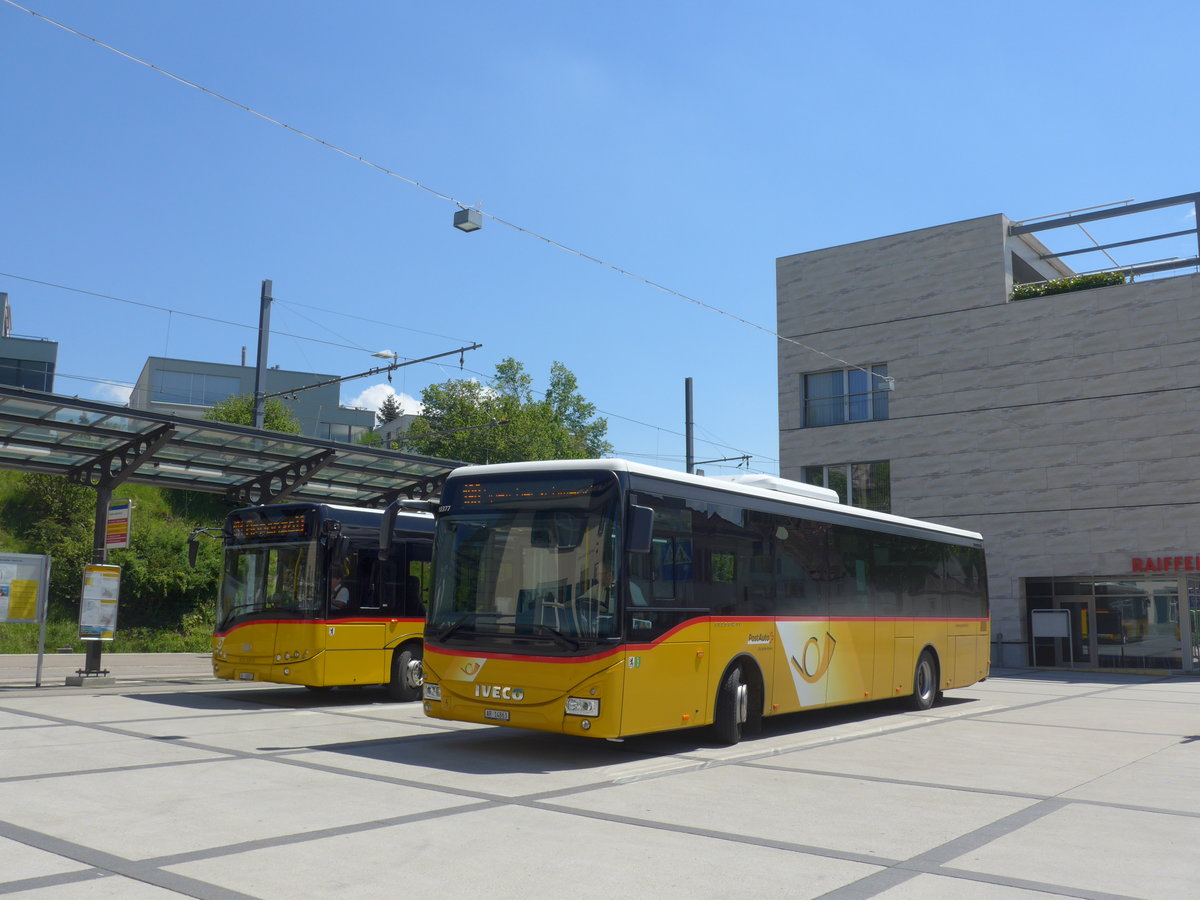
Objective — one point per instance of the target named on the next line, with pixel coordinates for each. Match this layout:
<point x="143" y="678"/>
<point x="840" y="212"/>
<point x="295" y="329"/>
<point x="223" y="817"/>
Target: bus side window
<point x="368" y="595"/>
<point x="416" y="579"/>
<point x="852" y="562"/>
<point x="344" y="587"/>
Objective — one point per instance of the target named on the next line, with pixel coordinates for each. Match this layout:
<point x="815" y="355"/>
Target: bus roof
<point x="764" y="486"/>
<point x="337" y="508"/>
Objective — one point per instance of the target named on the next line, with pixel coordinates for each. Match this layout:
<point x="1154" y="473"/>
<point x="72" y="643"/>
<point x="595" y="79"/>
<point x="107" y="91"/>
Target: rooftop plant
<point x="1064" y="285"/>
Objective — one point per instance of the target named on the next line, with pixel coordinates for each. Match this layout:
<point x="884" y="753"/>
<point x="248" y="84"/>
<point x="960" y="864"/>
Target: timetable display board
<point x="98" y="605"/>
<point x="24" y="579"/>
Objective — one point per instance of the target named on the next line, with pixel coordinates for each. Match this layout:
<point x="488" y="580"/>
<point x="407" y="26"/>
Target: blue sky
<point x="688" y="143"/>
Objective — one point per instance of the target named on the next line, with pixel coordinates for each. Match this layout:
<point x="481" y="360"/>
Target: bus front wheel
<point x="733" y="703"/>
<point x="925" y="682"/>
<point x="407" y="676"/>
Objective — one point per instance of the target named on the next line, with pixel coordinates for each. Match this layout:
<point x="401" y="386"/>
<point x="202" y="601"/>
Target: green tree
<point x="239" y="410"/>
<point x="459" y="416"/>
<point x="158" y="587"/>
<point x="389" y="410"/>
<point x="57" y="518"/>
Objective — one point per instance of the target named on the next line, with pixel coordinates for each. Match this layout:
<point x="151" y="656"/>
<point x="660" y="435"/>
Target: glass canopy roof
<point x="102" y="445"/>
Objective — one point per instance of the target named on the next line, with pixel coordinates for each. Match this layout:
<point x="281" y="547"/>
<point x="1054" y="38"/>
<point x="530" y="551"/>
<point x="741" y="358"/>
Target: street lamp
<point x="468" y="219"/>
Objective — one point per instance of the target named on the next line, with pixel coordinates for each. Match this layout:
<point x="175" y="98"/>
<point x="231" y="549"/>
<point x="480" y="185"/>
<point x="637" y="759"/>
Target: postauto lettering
<point x="499" y="692"/>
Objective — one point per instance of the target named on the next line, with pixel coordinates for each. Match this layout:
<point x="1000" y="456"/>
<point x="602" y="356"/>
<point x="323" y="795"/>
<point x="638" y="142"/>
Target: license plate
<point x="246" y="676"/>
<point x="497" y="715"/>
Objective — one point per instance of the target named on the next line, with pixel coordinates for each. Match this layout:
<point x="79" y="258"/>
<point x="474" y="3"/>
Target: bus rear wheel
<point x="925" y="682"/>
<point x="407" y="676"/>
<point x="732" y="706"/>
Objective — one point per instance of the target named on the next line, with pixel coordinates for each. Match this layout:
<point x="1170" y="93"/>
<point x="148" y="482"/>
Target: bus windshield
<point x="527" y="560"/>
<point x="277" y="579"/>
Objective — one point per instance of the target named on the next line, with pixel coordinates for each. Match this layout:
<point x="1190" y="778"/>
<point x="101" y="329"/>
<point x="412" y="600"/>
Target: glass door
<point x="1078" y="649"/>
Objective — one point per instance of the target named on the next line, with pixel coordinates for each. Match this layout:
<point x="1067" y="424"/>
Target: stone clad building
<point x="1064" y="427"/>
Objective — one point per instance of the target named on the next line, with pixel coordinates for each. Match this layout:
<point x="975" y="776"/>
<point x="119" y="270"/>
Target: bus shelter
<point x="103" y="446"/>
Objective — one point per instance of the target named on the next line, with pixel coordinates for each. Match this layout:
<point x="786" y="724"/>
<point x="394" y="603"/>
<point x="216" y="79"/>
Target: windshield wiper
<point x="559" y="638"/>
<point x="458" y="623"/>
<point x="239" y="609"/>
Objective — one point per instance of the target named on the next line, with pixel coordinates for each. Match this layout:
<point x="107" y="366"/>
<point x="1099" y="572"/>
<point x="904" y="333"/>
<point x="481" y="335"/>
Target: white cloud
<point x="372" y="398"/>
<point x="112" y="392"/>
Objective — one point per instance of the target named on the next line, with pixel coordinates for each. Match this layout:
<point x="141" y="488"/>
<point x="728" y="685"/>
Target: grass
<point x="157" y="512"/>
<point x="22" y="637"/>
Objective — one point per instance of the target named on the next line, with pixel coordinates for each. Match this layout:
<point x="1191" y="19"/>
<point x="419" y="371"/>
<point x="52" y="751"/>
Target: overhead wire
<point x="347" y="346"/>
<point x="170" y="310"/>
<point x="442" y="196"/>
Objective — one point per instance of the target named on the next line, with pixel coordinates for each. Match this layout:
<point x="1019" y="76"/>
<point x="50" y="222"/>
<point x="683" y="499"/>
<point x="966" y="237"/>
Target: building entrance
<point x="1118" y="623"/>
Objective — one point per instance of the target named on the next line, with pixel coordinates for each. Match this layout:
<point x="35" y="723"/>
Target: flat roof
<point x="102" y="445"/>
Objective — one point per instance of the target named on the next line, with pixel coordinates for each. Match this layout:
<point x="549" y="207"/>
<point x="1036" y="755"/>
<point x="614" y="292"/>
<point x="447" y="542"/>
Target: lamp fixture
<point x="187" y="470"/>
<point x="468" y="219"/>
<point x="9" y="447"/>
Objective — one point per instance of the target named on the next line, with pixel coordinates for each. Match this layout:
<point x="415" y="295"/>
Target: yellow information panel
<point x="24" y="578"/>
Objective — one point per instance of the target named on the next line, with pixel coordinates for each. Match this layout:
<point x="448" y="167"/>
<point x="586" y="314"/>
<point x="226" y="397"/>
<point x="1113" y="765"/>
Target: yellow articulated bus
<point x="321" y="596"/>
<point x="607" y="598"/>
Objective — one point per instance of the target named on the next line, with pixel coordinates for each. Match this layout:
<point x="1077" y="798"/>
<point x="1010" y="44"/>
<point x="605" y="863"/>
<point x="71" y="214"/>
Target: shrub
<point x="1065" y="285"/>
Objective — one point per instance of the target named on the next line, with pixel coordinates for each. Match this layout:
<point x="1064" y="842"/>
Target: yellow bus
<point x="321" y="596"/>
<point x="607" y="598"/>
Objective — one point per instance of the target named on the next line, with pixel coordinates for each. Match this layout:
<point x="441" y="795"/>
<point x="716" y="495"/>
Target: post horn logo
<point x="814" y="660"/>
<point x="471" y="668"/>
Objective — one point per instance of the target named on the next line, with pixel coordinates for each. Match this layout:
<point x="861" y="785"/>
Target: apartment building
<point x="936" y="374"/>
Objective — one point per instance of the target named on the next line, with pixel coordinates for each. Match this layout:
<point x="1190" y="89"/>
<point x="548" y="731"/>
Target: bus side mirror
<point x="386" y="527"/>
<point x="640" y="529"/>
<point x="194" y="542"/>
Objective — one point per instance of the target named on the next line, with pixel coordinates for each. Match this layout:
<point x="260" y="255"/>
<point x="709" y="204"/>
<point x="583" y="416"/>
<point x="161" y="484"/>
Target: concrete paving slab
<point x="67" y="749"/>
<point x="223" y="791"/>
<point x="101" y="887"/>
<point x="1105" y="713"/>
<point x="111" y="708"/>
<point x="159" y="811"/>
<point x="1031" y="759"/>
<point x="19" y="862"/>
<point x="1167" y="780"/>
<point x="502" y="762"/>
<point x="523" y="853"/>
<point x="846" y="815"/>
<point x="20" y="669"/>
<point x="1098" y="850"/>
<point x="924" y="887"/>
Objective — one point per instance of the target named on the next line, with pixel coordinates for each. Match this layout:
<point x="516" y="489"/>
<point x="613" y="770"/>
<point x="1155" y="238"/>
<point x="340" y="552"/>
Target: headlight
<point x="578" y="706"/>
<point x="432" y="691"/>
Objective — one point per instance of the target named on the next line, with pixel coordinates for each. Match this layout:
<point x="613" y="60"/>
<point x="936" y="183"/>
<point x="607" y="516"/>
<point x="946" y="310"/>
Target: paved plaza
<point x="169" y="783"/>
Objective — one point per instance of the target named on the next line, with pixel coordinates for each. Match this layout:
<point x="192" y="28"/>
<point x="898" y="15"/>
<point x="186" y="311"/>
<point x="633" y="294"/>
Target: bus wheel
<point x="733" y="702"/>
<point x="407" y="676"/>
<point x="925" y="682"/>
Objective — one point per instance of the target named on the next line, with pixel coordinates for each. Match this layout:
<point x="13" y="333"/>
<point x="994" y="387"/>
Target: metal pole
<point x="687" y="417"/>
<point x="260" y="371"/>
<point x="91" y="665"/>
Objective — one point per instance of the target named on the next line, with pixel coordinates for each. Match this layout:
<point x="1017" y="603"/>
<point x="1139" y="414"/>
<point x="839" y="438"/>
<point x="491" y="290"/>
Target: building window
<point x="191" y="388"/>
<point x="345" y="434"/>
<point x="865" y="484"/>
<point x="27" y="373"/>
<point x="845" y="395"/>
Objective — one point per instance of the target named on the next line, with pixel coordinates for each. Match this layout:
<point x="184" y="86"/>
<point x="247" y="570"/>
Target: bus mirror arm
<point x="640" y="529"/>
<point x="193" y="542"/>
